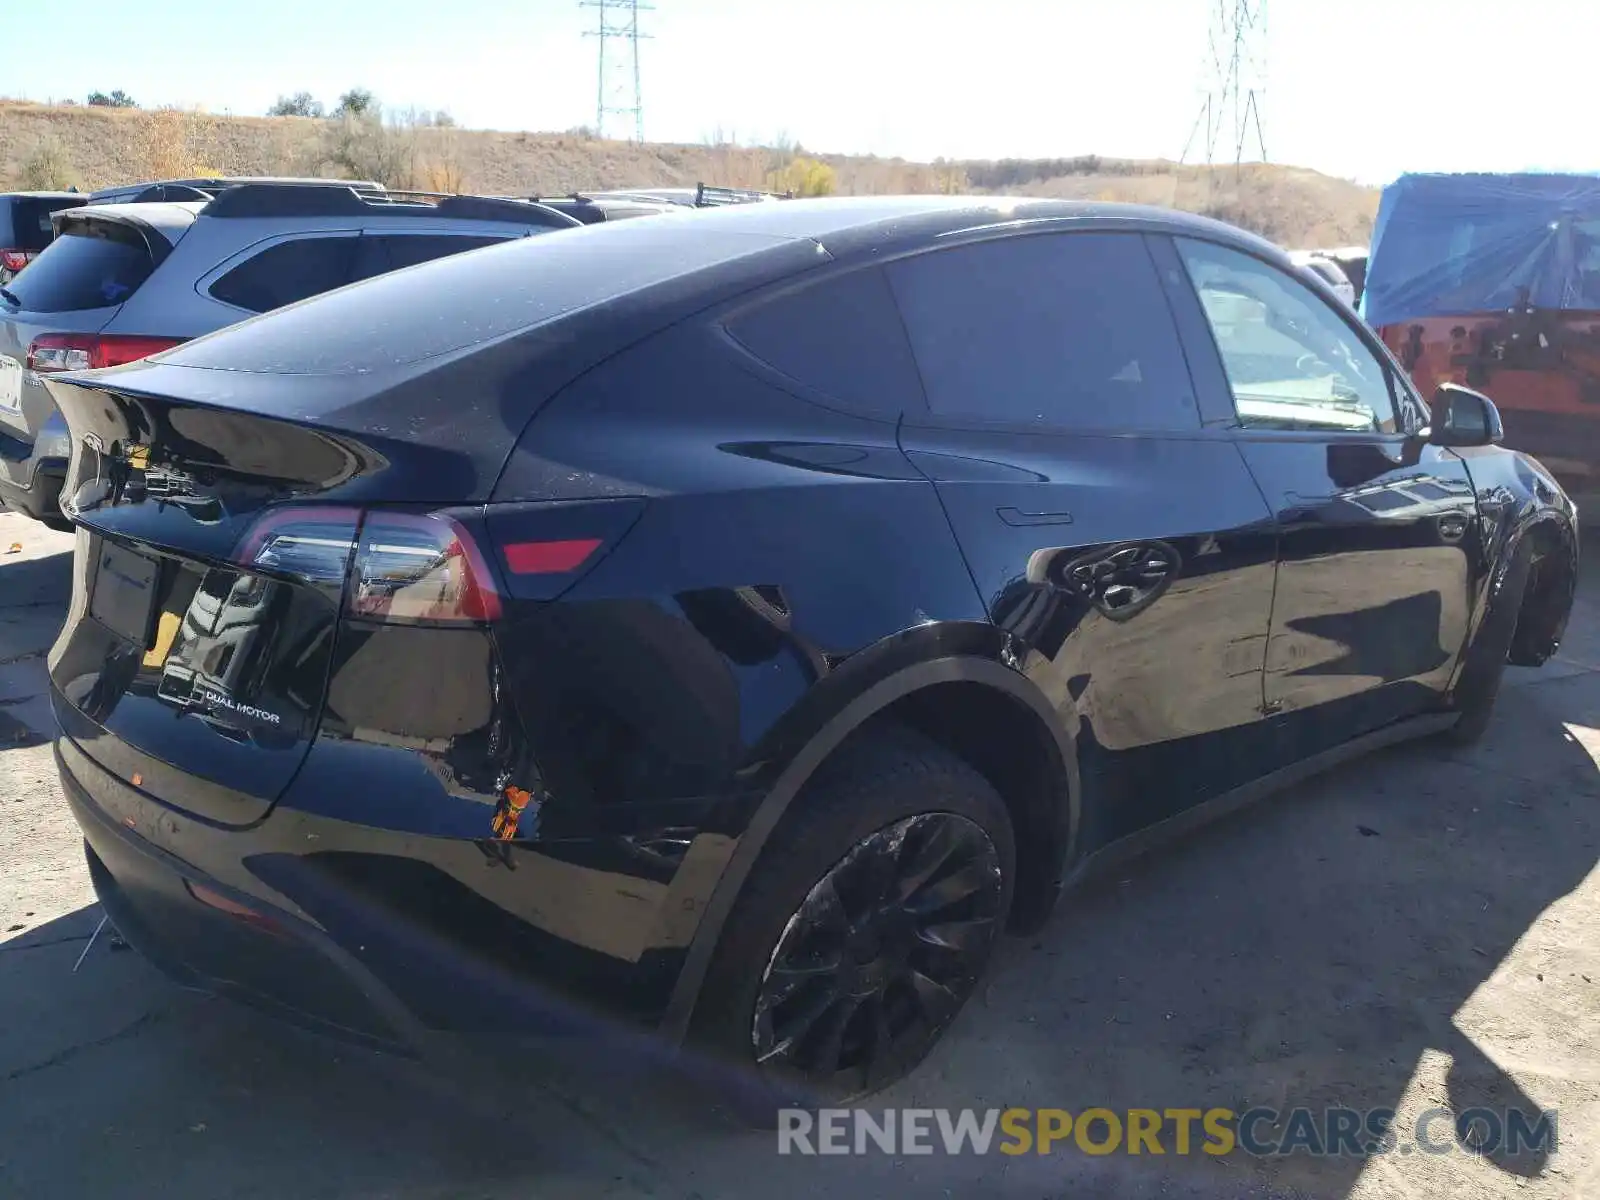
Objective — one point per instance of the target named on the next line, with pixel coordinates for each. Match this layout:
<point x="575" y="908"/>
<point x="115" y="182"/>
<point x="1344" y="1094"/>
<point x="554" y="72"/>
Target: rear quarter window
<point x="408" y="249"/>
<point x="93" y="264"/>
<point x="841" y="338"/>
<point x="289" y="271"/>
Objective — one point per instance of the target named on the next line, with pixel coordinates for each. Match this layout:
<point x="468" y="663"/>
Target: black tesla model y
<point x="725" y="625"/>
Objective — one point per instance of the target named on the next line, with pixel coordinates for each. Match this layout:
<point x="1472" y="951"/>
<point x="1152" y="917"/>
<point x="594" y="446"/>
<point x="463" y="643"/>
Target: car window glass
<point x="286" y="272"/>
<point x="1292" y="360"/>
<point x="841" y="336"/>
<point x="369" y="257"/>
<point x="407" y="250"/>
<point x="25" y="221"/>
<point x="95" y="264"/>
<point x="1071" y="330"/>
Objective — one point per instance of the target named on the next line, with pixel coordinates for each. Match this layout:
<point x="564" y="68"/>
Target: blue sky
<point x="1359" y="88"/>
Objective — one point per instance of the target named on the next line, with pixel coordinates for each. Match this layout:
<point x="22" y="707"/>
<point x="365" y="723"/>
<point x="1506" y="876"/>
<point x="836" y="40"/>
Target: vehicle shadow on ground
<point x="1310" y="952"/>
<point x="33" y="594"/>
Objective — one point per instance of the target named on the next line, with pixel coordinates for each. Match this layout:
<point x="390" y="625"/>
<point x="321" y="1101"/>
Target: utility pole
<point x="617" y="88"/>
<point x="1235" y="81"/>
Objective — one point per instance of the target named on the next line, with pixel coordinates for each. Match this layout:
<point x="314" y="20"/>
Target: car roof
<point x="43" y="196"/>
<point x="632" y="275"/>
<point x="866" y="225"/>
<point x="214" y="181"/>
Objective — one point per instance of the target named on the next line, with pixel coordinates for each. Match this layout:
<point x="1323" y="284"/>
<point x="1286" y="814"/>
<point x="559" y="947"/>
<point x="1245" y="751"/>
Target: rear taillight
<point x="311" y="544"/>
<point x="86" y="351"/>
<point x="431" y="568"/>
<point x="14" y="260"/>
<point x="408" y="568"/>
<point x="420" y="569"/>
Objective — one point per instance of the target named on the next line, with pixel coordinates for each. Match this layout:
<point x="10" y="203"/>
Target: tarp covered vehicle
<point x="1494" y="281"/>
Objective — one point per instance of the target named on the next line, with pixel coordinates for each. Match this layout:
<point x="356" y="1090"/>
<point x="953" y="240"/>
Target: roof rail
<point x="701" y="195"/>
<point x="170" y="192"/>
<point x="709" y="196"/>
<point x="344" y="200"/>
<point x="215" y="183"/>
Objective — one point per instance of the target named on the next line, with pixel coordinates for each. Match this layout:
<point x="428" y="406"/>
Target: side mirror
<point x="1463" y="417"/>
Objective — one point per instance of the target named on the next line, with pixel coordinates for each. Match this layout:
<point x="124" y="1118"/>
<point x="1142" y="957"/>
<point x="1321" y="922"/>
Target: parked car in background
<point x="702" y="195"/>
<point x="724" y="628"/>
<point x="1325" y="269"/>
<point x="591" y="209"/>
<point x="25" y="228"/>
<point x="205" y="187"/>
<point x="123" y="280"/>
<point x="1352" y="260"/>
<point x="1494" y="281"/>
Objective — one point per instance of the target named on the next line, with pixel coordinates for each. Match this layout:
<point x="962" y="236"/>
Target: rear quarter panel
<point x="781" y="544"/>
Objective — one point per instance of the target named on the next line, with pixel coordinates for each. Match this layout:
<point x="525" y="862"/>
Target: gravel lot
<point x="1421" y="928"/>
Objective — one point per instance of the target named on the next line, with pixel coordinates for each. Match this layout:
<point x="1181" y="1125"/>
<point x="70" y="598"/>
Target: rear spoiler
<point x="154" y="240"/>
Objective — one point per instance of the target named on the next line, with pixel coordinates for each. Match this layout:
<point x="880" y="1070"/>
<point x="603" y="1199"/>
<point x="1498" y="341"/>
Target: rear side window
<point x="1070" y="330"/>
<point x="407" y="250"/>
<point x="93" y="264"/>
<point x="287" y="272"/>
<point x="25" y="221"/>
<point x="842" y="337"/>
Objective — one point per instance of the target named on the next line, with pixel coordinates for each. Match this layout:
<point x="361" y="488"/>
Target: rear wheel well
<point x="1009" y="745"/>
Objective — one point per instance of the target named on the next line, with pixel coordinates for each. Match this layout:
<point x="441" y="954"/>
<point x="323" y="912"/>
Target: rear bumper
<point x="32" y="487"/>
<point x="31" y="473"/>
<point x="208" y="906"/>
<point x="273" y="961"/>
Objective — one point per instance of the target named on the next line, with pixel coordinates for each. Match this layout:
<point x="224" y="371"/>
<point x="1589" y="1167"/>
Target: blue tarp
<point x="1456" y="244"/>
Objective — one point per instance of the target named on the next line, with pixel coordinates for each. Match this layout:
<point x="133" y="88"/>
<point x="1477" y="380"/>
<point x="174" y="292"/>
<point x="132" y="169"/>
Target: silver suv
<point x="121" y="281"/>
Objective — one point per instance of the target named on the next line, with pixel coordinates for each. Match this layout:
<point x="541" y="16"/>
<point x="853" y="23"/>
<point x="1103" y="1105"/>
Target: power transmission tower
<point x="1235" y="74"/>
<point x="617" y="86"/>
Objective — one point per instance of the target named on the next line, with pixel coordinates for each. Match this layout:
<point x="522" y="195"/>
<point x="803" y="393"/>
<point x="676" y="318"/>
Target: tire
<point x="1479" y="685"/>
<point x="892" y="798"/>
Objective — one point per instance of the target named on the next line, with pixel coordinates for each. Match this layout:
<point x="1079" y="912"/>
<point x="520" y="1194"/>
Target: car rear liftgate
<point x="195" y="654"/>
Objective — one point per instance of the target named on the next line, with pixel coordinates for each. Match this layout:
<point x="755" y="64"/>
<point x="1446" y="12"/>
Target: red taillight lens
<point x="430" y="568"/>
<point x="403" y="567"/>
<point x="548" y="558"/>
<point x="14" y="260"/>
<point x="82" y="352"/>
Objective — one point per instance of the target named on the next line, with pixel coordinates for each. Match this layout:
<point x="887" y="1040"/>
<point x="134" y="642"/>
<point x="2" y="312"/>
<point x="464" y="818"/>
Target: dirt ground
<point x="1418" y="929"/>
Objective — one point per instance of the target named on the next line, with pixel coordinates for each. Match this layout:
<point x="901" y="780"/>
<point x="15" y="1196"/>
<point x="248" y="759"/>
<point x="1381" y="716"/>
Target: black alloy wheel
<point x="881" y="954"/>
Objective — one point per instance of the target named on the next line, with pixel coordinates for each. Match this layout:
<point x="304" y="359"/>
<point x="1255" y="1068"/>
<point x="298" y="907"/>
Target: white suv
<point x="1328" y="271"/>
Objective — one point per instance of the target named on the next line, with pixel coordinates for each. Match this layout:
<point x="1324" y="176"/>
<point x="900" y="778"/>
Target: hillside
<point x="52" y="144"/>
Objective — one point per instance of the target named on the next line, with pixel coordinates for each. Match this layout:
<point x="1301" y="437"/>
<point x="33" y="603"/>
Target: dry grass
<point x="1291" y="205"/>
